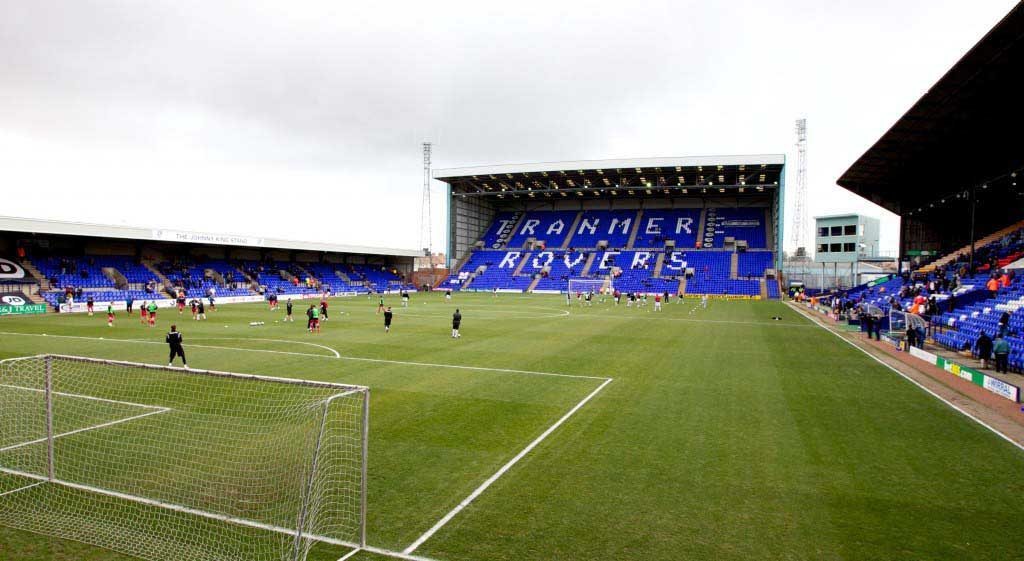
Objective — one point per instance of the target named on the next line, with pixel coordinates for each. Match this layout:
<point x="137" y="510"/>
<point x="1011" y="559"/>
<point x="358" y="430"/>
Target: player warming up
<point x="380" y="305"/>
<point x="405" y="298"/>
<point x="110" y="314"/>
<point x="174" y="341"/>
<point x="288" y="311"/>
<point x="657" y="302"/>
<point x="387" y="320"/>
<point x="456" y="322"/>
<point x="152" y="313"/>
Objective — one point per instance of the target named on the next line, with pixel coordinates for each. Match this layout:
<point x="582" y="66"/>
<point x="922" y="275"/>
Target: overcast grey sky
<point x="304" y="119"/>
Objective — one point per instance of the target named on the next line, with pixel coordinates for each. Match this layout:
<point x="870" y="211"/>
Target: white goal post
<point x="186" y="465"/>
<point x="584" y="286"/>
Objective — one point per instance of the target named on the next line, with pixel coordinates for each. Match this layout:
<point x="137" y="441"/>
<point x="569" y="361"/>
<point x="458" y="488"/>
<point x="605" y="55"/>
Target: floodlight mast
<point x="425" y="220"/>
<point x="799" y="224"/>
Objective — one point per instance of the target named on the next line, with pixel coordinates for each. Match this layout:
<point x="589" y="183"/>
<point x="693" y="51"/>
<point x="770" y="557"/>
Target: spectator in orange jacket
<point x="993" y="286"/>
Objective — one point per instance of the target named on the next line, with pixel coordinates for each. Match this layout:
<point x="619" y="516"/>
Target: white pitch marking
<point x="490" y="480"/>
<point x="85" y="429"/>
<point x="340" y="357"/>
<point x="916" y="383"/>
<point x="12" y="491"/>
<point x="211" y="515"/>
<point x="324" y="347"/>
<point x="80" y="396"/>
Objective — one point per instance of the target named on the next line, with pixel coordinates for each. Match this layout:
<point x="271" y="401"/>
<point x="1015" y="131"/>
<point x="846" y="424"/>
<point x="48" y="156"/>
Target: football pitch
<point x="553" y="432"/>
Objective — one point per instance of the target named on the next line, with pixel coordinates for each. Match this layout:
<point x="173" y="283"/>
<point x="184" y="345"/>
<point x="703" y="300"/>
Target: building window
<point x="823" y="232"/>
<point x="849" y="247"/>
<point x="850" y="230"/>
<point x="823" y="248"/>
<point x="836" y="247"/>
<point x="837" y="230"/>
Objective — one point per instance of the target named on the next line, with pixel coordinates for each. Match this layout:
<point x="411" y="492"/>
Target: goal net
<point x="584" y="286"/>
<point x="185" y="465"/>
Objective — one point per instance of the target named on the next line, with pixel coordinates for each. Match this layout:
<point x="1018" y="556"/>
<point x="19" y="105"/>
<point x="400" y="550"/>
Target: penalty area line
<point x="501" y="471"/>
<point x="337" y="357"/>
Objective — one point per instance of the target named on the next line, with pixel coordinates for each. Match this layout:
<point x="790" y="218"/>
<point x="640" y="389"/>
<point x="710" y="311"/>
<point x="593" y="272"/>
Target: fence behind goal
<point x="185" y="465"/>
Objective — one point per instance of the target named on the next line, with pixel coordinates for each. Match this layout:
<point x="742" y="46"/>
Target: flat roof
<point x="86" y="229"/>
<point x="960" y="134"/>
<point x="630" y="163"/>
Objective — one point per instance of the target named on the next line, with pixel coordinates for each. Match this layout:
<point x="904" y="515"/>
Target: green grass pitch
<point x="724" y="435"/>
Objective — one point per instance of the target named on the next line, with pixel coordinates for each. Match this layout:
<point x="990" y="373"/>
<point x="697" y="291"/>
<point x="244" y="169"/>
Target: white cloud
<point x="304" y="120"/>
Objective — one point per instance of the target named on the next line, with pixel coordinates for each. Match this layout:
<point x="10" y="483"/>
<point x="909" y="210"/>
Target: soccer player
<point x="309" y="318"/>
<point x="152" y="313"/>
<point x="315" y="327"/>
<point x="288" y="311"/>
<point x="323" y="308"/>
<point x="448" y="295"/>
<point x="128" y="304"/>
<point x="704" y="301"/>
<point x="617" y="296"/>
<point x="181" y="302"/>
<point x="590" y="298"/>
<point x="89" y="303"/>
<point x="456" y="322"/>
<point x="213" y="306"/>
<point x="380" y="305"/>
<point x="387" y="320"/>
<point x="494" y="292"/>
<point x="144" y="312"/>
<point x="568" y="298"/>
<point x="110" y="314"/>
<point x="174" y="341"/>
<point x="643" y="300"/>
<point x="405" y="298"/>
<point x="630" y="297"/>
<point x="657" y="302"/>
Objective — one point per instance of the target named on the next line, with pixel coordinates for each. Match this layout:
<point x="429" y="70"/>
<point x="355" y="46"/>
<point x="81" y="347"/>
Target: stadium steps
<point x="700" y="227"/>
<point x="635" y="229"/>
<point x="341" y="274"/>
<point x="951" y="256"/>
<point x="165" y="283"/>
<point x="572" y="232"/>
<point x="44" y="283"/>
<point x="588" y="264"/>
<point x="533" y="284"/>
<point x="120" y="281"/>
<point x="682" y="285"/>
<point x="522" y="263"/>
<point x="658" y="265"/>
<point x="519" y="224"/>
<point x="764" y="289"/>
<point x="216" y="276"/>
<point x="469" y="281"/>
<point x="734" y="265"/>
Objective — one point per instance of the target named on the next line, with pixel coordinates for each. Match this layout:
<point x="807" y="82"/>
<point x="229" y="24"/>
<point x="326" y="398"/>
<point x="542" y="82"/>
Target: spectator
<point x="1001" y="348"/>
<point x="983" y="346"/>
<point x="993" y="286"/>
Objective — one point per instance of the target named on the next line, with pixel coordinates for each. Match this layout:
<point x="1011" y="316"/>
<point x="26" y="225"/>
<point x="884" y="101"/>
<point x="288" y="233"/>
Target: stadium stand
<point x="658" y="226"/>
<point x="596" y="226"/>
<point x="652" y="270"/>
<point x="549" y="227"/>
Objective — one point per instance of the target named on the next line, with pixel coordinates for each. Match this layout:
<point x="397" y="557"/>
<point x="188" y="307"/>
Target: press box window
<point x="837" y="230"/>
<point x="823" y="232"/>
<point x="849" y="247"/>
<point x="850" y="230"/>
<point x="823" y="248"/>
<point x="836" y="247"/>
